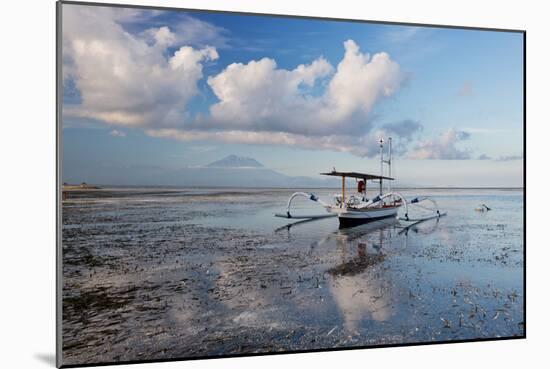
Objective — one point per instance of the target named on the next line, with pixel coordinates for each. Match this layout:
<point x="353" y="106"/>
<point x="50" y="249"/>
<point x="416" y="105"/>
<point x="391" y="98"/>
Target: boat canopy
<point x="363" y="176"/>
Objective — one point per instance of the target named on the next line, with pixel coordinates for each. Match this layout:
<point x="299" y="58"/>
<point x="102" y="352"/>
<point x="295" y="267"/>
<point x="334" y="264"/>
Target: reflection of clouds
<point x="358" y="300"/>
<point x="279" y="290"/>
<point x="358" y="291"/>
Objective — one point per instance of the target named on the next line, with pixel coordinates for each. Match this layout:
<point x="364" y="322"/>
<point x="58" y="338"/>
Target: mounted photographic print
<point x="235" y="184"/>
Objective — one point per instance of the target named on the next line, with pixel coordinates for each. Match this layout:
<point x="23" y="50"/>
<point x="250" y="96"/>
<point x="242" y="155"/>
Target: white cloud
<point x="132" y="79"/>
<point x="313" y="106"/>
<point x="186" y="30"/>
<point x="360" y="81"/>
<point x="443" y="148"/>
<point x="362" y="145"/>
<point x="161" y="36"/>
<point x="259" y="96"/>
<point x="122" y="79"/>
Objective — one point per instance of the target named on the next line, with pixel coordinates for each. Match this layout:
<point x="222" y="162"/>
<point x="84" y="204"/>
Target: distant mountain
<point x="231" y="171"/>
<point x="238" y="171"/>
<point x="234" y="161"/>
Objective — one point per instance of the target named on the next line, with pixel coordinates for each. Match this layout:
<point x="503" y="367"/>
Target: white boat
<point x="357" y="208"/>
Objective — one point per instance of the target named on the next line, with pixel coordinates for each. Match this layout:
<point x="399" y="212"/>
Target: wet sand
<point x="159" y="274"/>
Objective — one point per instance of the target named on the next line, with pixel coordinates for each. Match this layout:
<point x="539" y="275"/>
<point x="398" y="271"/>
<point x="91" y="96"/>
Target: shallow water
<point x="173" y="273"/>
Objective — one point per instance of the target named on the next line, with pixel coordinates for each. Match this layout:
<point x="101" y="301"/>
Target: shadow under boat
<point x="362" y="229"/>
<point x="360" y="226"/>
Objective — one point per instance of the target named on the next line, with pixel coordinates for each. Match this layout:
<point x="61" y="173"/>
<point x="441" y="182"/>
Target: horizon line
<point x="106" y="186"/>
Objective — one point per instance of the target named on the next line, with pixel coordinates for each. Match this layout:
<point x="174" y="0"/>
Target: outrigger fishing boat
<point x="357" y="208"/>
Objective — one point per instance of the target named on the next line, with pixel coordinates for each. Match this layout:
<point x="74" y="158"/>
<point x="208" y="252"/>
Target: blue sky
<point x="169" y="90"/>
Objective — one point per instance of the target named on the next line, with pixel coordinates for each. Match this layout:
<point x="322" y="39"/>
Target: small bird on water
<point x="483" y="208"/>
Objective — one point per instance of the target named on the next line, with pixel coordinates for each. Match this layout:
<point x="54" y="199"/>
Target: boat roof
<point x="363" y="176"/>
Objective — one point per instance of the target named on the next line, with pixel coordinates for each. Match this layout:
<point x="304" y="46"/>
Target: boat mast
<point x="381" y="163"/>
<point x="342" y="204"/>
<point x="389" y="163"/>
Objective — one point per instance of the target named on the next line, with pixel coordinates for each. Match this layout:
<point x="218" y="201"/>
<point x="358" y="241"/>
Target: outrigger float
<point x="357" y="208"/>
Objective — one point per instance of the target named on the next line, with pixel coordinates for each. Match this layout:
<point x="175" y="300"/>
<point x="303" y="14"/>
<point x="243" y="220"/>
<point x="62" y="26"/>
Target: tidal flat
<point x="161" y="273"/>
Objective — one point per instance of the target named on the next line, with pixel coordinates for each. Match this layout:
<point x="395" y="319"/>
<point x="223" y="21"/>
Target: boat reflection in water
<point x="360" y="287"/>
<point x="363" y="281"/>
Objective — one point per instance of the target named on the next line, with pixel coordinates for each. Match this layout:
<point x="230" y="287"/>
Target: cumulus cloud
<point x="146" y="78"/>
<point x="443" y="147"/>
<point x="121" y="78"/>
<point x="313" y="106"/>
<point x="360" y="81"/>
<point x="161" y="36"/>
<point x="259" y="96"/>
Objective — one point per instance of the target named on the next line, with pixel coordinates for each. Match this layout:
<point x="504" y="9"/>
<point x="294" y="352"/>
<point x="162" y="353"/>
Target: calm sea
<point x="156" y="273"/>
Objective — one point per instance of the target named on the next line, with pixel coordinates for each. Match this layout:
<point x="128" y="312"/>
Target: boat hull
<point x="352" y="218"/>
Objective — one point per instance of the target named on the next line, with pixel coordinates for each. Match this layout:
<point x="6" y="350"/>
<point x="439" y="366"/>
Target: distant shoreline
<point x="80" y="187"/>
<point x="175" y="187"/>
